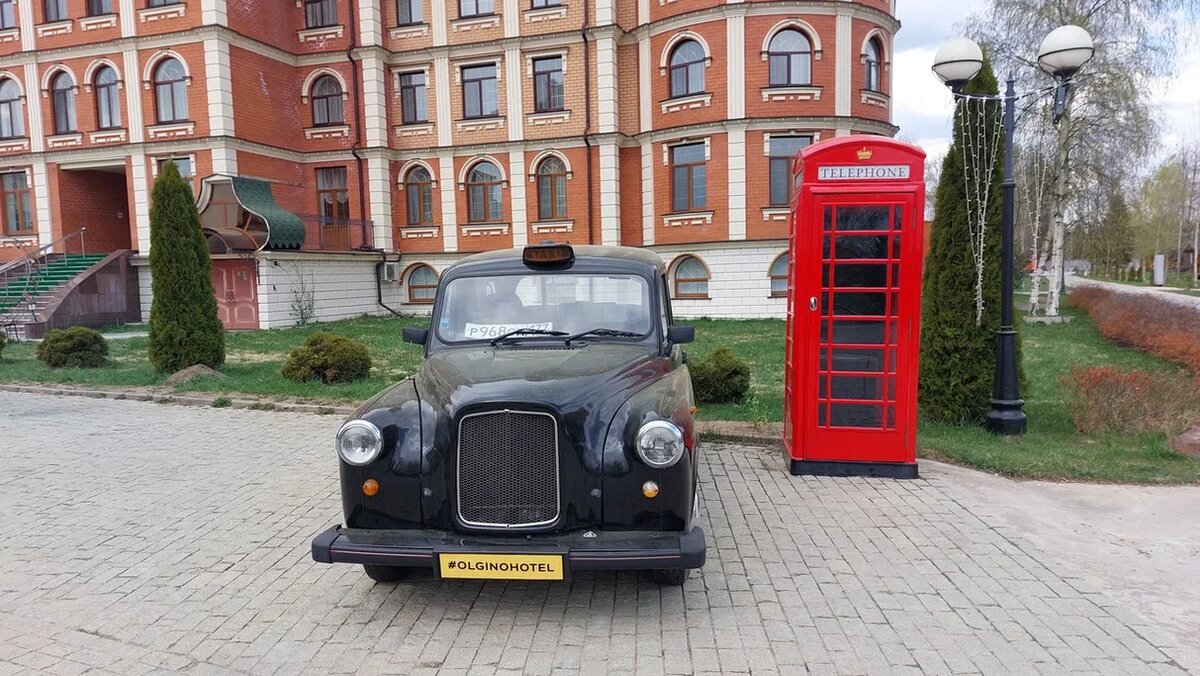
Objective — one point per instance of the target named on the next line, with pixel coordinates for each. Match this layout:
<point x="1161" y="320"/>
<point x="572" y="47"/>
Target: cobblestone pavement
<point x="148" y="537"/>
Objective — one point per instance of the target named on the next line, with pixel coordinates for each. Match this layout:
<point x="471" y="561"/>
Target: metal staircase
<point x="25" y="282"/>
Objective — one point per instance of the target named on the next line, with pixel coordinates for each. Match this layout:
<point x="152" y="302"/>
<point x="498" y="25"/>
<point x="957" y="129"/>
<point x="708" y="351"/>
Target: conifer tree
<point x="958" y="359"/>
<point x="184" y="328"/>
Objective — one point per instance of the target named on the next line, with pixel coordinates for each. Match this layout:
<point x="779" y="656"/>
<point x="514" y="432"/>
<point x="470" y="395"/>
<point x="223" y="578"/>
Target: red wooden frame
<point x="833" y="178"/>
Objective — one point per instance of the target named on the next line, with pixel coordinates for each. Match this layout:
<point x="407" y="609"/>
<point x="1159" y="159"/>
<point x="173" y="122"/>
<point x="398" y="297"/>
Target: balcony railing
<point x="322" y="233"/>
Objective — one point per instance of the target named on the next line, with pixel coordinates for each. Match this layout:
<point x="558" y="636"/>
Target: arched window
<point x="170" y="91"/>
<point x="790" y="58"/>
<point x="691" y="278"/>
<point x="12" y="115"/>
<point x="687" y="68"/>
<point x="873" y="81"/>
<point x="552" y="189"/>
<point x="108" y="100"/>
<point x="418" y="192"/>
<point x="62" y="90"/>
<point x="779" y="277"/>
<point x="483" y="193"/>
<point x="422" y="284"/>
<point x="327" y="102"/>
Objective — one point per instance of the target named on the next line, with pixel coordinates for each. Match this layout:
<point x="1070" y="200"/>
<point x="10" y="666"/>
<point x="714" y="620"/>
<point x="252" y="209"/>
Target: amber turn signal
<point x="650" y="489"/>
<point x="370" y="487"/>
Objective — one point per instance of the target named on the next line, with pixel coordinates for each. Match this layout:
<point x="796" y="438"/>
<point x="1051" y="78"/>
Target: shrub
<point x="1105" y="399"/>
<point x="721" y="378"/>
<point x="1166" y="328"/>
<point x="76" y="347"/>
<point x="3" y="342"/>
<point x="328" y="358"/>
<point x="184" y="328"/>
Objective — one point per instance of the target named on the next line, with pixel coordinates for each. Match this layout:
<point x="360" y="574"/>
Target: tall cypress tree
<point x="958" y="358"/>
<point x="184" y="328"/>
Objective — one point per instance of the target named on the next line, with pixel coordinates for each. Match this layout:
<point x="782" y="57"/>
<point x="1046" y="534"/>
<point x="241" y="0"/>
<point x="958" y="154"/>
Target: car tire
<point x="386" y="573"/>
<point x="670" y="577"/>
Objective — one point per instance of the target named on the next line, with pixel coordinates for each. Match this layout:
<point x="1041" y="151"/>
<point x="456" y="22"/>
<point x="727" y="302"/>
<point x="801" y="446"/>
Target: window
<point x="7" y="14"/>
<point x="418" y="193"/>
<point x="779" y="277"/>
<point x="548" y="84"/>
<point x="56" y="10"/>
<point x="469" y="8"/>
<point x="108" y="100"/>
<point x="170" y="91"/>
<point x="542" y="4"/>
<point x="422" y="284"/>
<point x="333" y="199"/>
<point x="320" y="13"/>
<point x="183" y="164"/>
<point x="162" y="3"/>
<point x="327" y="102"/>
<point x="691" y="278"/>
<point x="409" y="12"/>
<point x="687" y="69"/>
<point x="783" y="151"/>
<point x="552" y="189"/>
<point x="63" y="102"/>
<point x="479" y="91"/>
<point x="414" y="101"/>
<point x="12" y="115"/>
<point x="790" y="58"/>
<point x="688" y="181"/>
<point x="873" y="81"/>
<point x="99" y="7"/>
<point x="14" y="194"/>
<point x="483" y="193"/>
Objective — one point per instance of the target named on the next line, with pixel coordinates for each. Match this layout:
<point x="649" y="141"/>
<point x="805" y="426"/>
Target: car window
<point x="481" y="308"/>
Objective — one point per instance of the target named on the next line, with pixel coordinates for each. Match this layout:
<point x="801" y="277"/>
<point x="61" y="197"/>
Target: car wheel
<point x="670" y="577"/>
<point x="386" y="573"/>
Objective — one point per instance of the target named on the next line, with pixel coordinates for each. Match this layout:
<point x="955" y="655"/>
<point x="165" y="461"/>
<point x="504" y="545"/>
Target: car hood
<point x="570" y="380"/>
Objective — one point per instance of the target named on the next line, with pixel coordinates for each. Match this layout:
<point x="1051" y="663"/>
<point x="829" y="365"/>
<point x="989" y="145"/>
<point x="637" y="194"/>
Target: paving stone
<point x="177" y="539"/>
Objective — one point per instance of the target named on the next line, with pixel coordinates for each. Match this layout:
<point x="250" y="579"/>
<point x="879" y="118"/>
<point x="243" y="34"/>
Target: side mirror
<point x="677" y="335"/>
<point x="412" y="334"/>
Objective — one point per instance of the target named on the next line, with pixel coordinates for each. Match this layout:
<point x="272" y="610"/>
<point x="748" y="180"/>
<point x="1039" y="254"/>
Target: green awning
<point x="285" y="229"/>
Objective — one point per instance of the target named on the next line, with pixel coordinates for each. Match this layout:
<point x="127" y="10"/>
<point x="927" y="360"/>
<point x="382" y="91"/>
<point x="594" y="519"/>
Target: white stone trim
<point x="517" y="199"/>
<point x="449" y="204"/>
<point x="872" y="98"/>
<point x="736" y="139"/>
<point x="685" y="141"/>
<point x="482" y="229"/>
<point x="375" y="99"/>
<point x="767" y="136"/>
<point x="320" y="34"/>
<point x="127" y="14"/>
<point x="413" y="164"/>
<point x="150" y="14"/>
<point x="332" y="131"/>
<point x="33" y="110"/>
<point x="803" y="93"/>
<point x="548" y="118"/>
<point x="91" y="23"/>
<point x="776" y="213"/>
<point x="318" y="73"/>
<point x="735" y="60"/>
<point x="69" y="140"/>
<point x="544" y="14"/>
<point x="610" y="194"/>
<point x="496" y="60"/>
<point x="171" y="130"/>
<point x="419" y="231"/>
<point x="379" y="191"/>
<point x="89" y="73"/>
<point x="107" y="136"/>
<point x="550" y="227"/>
<point x="419" y="30"/>
<point x="511" y="11"/>
<point x="687" y="218"/>
<point x="441" y="73"/>
<point x="606" y="12"/>
<point x="560" y="52"/>
<point x="41" y="200"/>
<point x="10" y="35"/>
<point x="437" y="22"/>
<point x="470" y="164"/>
<point x="9" y="75"/>
<point x="133" y="101"/>
<point x="475" y="23"/>
<point x="647" y="193"/>
<point x="885" y="48"/>
<point x="674" y="41"/>
<point x="845" y="63"/>
<point x="25" y="20"/>
<point x="549" y="152"/>
<point x="479" y="124"/>
<point x="141" y="199"/>
<point x="370" y="27"/>
<point x="14" y="145"/>
<point x="64" y="27"/>
<point x="224" y="160"/>
<point x="645" y="112"/>
<point x="156" y="159"/>
<point x="801" y="25"/>
<point x="214" y="12"/>
<point x="513" y="94"/>
<point x="156" y="58"/>
<point x="606" y="82"/>
<point x="701" y="100"/>
<point x="54" y="70"/>
<point x="412" y="130"/>
<point x="219" y="87"/>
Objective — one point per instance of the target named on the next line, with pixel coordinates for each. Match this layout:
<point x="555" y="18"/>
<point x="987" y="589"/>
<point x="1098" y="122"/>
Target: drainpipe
<point x="587" y="115"/>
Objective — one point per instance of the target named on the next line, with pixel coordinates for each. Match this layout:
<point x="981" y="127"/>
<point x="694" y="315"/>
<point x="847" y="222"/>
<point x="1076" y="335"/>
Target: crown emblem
<point x="865" y="153"/>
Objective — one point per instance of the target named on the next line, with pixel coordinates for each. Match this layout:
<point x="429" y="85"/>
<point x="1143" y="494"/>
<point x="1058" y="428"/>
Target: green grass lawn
<point x="1052" y="449"/>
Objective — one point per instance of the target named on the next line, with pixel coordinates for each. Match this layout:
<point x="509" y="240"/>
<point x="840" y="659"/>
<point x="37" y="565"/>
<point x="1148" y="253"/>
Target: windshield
<point x="483" y="308"/>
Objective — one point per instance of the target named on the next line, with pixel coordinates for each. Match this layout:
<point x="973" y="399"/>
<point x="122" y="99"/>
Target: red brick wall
<point x="192" y="54"/>
<point x="96" y="200"/>
<point x="713" y="34"/>
<point x="717" y="185"/>
<point x="483" y="242"/>
<point x="631" y="196"/>
<point x="266" y="95"/>
<point x="400" y="208"/>
<point x="758" y="70"/>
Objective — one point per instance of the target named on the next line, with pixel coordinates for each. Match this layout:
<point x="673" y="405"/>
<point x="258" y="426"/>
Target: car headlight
<point x="359" y="442"/>
<point x="660" y="443"/>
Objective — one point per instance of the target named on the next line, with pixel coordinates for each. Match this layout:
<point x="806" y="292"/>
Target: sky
<point x="922" y="105"/>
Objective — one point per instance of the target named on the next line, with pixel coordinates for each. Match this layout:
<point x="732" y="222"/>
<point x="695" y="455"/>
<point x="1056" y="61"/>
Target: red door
<point x="856" y="304"/>
<point x="235" y="283"/>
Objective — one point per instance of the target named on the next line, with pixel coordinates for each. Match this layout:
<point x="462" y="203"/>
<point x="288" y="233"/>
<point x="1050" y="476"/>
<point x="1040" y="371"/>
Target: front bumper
<point x="619" y="550"/>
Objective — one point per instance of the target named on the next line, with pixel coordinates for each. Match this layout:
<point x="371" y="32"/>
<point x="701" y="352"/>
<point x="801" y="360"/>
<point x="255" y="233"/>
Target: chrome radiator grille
<point x="508" y="468"/>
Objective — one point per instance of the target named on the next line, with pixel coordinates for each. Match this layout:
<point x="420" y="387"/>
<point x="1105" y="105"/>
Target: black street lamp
<point x="1061" y="54"/>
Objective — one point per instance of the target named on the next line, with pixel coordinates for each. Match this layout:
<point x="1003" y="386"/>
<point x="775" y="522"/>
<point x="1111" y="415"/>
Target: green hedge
<point x="328" y="358"/>
<point x="76" y="347"/>
<point x="721" y="378"/>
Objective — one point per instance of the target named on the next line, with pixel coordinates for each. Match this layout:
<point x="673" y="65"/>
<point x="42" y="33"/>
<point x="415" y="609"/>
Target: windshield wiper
<point x="613" y="333"/>
<point x="527" y="332"/>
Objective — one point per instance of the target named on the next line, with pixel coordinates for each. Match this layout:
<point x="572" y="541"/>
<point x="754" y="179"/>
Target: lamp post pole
<point x="1007" y="416"/>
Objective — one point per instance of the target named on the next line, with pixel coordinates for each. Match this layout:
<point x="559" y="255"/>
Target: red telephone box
<point x="854" y="308"/>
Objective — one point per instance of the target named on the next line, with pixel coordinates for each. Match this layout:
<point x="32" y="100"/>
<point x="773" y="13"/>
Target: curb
<point x="205" y="401"/>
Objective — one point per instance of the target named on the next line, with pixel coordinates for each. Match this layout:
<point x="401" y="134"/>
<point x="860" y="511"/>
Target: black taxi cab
<point x="549" y="429"/>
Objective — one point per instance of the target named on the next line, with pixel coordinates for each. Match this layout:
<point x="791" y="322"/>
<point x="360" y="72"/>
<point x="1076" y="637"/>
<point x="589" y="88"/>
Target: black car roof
<point x="591" y="251"/>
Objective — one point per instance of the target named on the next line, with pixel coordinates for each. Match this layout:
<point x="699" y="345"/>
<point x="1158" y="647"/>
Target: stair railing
<point x="34" y="260"/>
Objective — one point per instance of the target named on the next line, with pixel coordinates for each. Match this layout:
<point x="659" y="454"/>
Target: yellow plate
<point x="502" y="566"/>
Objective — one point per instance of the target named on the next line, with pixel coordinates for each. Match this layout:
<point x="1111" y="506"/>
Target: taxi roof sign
<point x="548" y="253"/>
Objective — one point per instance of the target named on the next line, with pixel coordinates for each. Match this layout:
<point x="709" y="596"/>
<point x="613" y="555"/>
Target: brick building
<point x="427" y="129"/>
